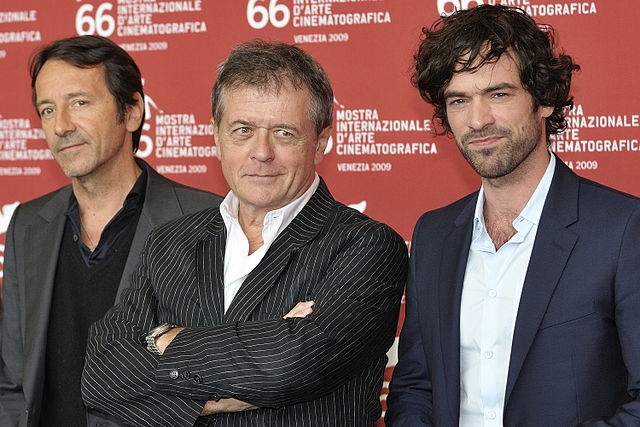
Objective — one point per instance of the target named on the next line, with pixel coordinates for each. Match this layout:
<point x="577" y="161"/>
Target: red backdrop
<point x="384" y="157"/>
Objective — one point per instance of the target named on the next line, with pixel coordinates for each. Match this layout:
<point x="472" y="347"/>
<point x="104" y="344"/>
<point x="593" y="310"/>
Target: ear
<point x="545" y="111"/>
<point x="321" y="145"/>
<point x="216" y="142"/>
<point x="135" y="113"/>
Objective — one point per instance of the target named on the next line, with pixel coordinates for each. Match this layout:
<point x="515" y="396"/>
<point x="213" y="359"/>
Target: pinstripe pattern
<point x="323" y="370"/>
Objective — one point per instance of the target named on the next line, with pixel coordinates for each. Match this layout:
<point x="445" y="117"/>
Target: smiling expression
<point x="492" y="118"/>
<point x="268" y="146"/>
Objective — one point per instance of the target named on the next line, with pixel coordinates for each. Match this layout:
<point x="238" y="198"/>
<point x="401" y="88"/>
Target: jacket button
<point x="174" y="375"/>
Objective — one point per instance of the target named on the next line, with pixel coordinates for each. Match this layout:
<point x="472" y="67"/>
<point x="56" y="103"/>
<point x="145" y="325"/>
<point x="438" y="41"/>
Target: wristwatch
<point x="150" y="338"/>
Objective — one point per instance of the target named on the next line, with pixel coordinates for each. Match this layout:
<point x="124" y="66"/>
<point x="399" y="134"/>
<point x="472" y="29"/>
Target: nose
<point x="262" y="147"/>
<point x="479" y="114"/>
<point x="63" y="123"/>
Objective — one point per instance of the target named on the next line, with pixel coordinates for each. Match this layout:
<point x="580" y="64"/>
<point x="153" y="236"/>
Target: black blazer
<point x="322" y="370"/>
<point x="31" y="255"/>
<point x="575" y="356"/>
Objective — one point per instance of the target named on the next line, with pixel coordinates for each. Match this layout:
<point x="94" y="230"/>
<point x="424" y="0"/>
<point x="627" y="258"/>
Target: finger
<point x="301" y="309"/>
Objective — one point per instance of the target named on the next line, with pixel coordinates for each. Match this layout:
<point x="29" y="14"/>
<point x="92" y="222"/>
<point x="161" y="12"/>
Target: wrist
<point x="154" y="334"/>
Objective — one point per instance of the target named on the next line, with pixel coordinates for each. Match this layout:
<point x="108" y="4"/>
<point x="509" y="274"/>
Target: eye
<point x="499" y="95"/>
<point x="80" y="103"/>
<point x="284" y="133"/>
<point x="455" y="102"/>
<point x="241" y="132"/>
<point x="46" y="111"/>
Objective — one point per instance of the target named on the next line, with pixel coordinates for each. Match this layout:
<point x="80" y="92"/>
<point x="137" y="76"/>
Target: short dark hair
<point x="121" y="73"/>
<point x="270" y="66"/>
<point x="468" y="39"/>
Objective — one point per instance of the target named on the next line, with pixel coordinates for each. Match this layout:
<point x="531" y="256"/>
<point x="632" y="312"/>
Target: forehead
<point x="267" y="103"/>
<point x="60" y="76"/>
<point x="503" y="70"/>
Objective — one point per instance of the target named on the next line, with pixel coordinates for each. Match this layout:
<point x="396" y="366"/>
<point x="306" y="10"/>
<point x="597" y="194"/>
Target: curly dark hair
<point x="121" y="73"/>
<point x="468" y="39"/>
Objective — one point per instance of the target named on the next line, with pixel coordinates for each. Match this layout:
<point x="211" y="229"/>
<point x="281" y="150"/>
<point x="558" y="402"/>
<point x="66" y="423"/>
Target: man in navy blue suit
<point x="523" y="301"/>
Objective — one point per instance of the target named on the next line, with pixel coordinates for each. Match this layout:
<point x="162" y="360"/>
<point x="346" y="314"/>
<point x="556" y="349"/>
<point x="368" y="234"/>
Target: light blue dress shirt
<point x="491" y="292"/>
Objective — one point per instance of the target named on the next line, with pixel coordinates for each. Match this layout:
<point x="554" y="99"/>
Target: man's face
<point x="79" y="118"/>
<point x="492" y="118"/>
<point x="268" y="146"/>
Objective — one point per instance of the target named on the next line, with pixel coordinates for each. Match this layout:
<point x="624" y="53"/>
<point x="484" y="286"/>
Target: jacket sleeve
<point x="409" y="403"/>
<point x="118" y="376"/>
<point x="268" y="363"/>
<point x="12" y="401"/>
<point x="627" y="319"/>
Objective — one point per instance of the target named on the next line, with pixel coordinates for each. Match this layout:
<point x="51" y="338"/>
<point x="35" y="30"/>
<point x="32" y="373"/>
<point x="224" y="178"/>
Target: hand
<point x="163" y="341"/>
<point x="226" y="405"/>
<point x="302" y="309"/>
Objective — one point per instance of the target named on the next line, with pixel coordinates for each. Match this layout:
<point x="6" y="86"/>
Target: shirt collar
<point x="134" y="198"/>
<point x="532" y="210"/>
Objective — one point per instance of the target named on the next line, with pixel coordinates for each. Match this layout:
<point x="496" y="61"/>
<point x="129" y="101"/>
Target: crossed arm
<point x="230" y="404"/>
<point x="263" y="363"/>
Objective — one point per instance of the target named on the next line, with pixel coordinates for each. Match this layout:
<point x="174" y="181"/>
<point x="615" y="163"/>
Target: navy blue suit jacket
<point x="575" y="356"/>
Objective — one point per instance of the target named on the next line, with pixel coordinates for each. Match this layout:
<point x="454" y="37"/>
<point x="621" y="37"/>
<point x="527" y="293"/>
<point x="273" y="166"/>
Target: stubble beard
<point x="496" y="162"/>
<point x="76" y="165"/>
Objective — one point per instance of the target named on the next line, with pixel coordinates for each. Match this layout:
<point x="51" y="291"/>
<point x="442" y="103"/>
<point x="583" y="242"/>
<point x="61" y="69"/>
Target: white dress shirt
<point x="491" y="292"/>
<point x="237" y="261"/>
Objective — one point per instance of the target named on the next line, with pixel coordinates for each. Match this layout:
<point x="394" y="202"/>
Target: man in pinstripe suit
<point x="207" y="334"/>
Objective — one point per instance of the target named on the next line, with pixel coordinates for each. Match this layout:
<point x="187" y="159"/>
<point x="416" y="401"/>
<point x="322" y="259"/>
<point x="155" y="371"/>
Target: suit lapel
<point x="42" y="245"/>
<point x="305" y="226"/>
<point x="160" y="205"/>
<point x="551" y="251"/>
<point x="453" y="266"/>
<point x="210" y="271"/>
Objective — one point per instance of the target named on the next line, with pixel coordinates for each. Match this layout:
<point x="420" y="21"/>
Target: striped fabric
<point x="322" y="370"/>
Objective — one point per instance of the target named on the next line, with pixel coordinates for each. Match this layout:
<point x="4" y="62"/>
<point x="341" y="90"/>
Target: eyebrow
<point x="499" y="86"/>
<point x="254" y="124"/>
<point x="67" y="96"/>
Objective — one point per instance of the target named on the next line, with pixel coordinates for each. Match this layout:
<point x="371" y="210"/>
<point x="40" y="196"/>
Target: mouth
<point x="262" y="175"/>
<point x="485" y="141"/>
<point x="69" y="147"/>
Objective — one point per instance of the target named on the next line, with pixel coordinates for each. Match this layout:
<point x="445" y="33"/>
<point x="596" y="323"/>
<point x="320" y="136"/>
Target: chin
<point x="77" y="172"/>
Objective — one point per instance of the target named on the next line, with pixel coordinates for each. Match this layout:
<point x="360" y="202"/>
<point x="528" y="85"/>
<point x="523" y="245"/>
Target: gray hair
<point x="271" y="66"/>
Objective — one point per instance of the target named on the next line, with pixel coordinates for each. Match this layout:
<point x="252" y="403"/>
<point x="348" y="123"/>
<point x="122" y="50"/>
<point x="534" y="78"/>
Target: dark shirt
<point x="85" y="287"/>
<point x="82" y="294"/>
<point x="114" y="229"/>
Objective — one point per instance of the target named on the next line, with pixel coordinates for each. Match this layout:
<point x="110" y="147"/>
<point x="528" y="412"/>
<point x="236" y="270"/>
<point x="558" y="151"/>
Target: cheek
<point x="455" y="120"/>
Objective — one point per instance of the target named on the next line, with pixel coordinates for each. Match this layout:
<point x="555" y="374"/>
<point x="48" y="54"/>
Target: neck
<point x="509" y="194"/>
<point x="101" y="195"/>
<point x="506" y="197"/>
<point x="252" y="228"/>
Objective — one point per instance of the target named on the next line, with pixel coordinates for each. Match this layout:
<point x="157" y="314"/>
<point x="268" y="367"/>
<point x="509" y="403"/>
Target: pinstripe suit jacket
<point x="322" y="370"/>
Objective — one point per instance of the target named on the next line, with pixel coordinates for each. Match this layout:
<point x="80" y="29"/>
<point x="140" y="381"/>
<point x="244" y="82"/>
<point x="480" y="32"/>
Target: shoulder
<point x="52" y="203"/>
<point x="444" y="218"/>
<point x="191" y="227"/>
<point x="348" y="223"/>
<point x="594" y="201"/>
<point x="190" y="198"/>
<point x="196" y="195"/>
<point x="605" y="212"/>
<point x="595" y="195"/>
